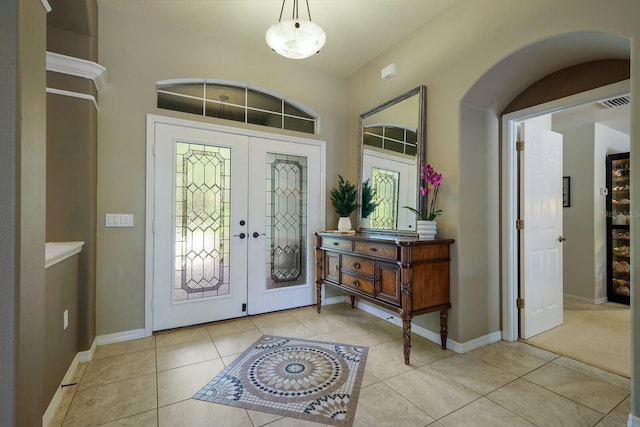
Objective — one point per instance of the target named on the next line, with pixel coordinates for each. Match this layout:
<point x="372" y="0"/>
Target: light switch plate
<point x="118" y="220"/>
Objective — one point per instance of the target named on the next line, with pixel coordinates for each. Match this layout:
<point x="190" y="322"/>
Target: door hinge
<point x="519" y="224"/>
<point x="244" y="307"/>
<point x="520" y="302"/>
<point x="154" y="149"/>
<point x="519" y="145"/>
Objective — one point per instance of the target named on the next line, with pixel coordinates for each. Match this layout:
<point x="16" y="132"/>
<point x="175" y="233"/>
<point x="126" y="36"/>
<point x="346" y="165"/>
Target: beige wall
<point x="9" y="230"/>
<point x="137" y="53"/>
<point x="585" y="221"/>
<point x="61" y="345"/>
<point x="31" y="208"/>
<point x="449" y="55"/>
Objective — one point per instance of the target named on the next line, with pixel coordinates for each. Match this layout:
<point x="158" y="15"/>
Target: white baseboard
<point x="464" y="347"/>
<point x="589" y="300"/>
<point x="633" y="421"/>
<point x="335" y="300"/>
<point x="120" y="336"/>
<point x="87" y="356"/>
<point x="81" y="357"/>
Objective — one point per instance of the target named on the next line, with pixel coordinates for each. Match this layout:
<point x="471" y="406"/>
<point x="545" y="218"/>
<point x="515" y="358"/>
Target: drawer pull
<point x="373" y="249"/>
<point x="335" y="243"/>
<point x="356" y="283"/>
<point x="356" y="265"/>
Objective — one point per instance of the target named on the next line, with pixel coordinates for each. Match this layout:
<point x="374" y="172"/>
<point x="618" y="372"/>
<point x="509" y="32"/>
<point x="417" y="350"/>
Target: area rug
<point x="308" y="380"/>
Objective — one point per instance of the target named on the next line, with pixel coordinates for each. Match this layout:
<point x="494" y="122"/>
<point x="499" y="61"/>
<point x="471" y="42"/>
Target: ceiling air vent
<point x="618" y="101"/>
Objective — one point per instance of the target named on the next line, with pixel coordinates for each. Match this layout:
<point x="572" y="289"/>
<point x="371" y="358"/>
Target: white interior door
<point x="541" y="238"/>
<point x="200" y="189"/>
<point x="284" y="211"/>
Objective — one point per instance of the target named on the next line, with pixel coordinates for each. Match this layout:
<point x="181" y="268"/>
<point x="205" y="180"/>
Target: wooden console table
<point x="402" y="274"/>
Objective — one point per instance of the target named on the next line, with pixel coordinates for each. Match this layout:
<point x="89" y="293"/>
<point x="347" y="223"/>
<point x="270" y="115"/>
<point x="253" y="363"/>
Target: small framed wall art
<point x="566" y="191"/>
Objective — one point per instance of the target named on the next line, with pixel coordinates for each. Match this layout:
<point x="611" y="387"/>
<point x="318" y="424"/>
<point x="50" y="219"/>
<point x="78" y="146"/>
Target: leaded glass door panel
<point x="284" y="213"/>
<point x="200" y="211"/>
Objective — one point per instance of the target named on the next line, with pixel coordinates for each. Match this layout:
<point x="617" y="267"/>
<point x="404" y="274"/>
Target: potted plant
<point x="344" y="201"/>
<point x="368" y="203"/>
<point x="430" y="182"/>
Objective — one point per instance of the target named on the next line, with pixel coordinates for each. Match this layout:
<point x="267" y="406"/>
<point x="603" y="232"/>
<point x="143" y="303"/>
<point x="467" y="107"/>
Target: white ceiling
<point x="618" y="118"/>
<point x="357" y="30"/>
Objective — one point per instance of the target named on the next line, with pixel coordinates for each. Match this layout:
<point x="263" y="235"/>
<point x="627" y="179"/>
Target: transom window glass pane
<point x="203" y="177"/>
<point x="235" y="102"/>
<point x="265" y="119"/>
<point x="169" y="101"/>
<point x="292" y="110"/>
<point x="301" y="125"/>
<point x="189" y="89"/>
<point x="262" y="101"/>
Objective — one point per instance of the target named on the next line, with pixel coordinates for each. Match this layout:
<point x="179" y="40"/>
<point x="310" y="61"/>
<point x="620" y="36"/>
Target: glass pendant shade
<point x="296" y="39"/>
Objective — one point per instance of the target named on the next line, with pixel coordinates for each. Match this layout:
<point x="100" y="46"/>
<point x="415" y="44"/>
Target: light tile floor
<point x="150" y="381"/>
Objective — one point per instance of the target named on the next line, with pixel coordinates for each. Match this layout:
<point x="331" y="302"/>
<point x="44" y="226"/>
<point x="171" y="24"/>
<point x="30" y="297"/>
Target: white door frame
<point x="152" y="120"/>
<point x="509" y="193"/>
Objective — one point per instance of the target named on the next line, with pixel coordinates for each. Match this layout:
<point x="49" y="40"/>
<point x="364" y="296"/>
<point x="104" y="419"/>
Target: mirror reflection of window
<point x="394" y="138"/>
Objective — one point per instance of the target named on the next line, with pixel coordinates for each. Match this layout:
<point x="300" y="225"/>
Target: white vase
<point x="344" y="223"/>
<point x="426" y="229"/>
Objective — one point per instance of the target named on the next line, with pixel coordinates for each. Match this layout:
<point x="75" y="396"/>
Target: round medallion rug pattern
<point x="304" y="379"/>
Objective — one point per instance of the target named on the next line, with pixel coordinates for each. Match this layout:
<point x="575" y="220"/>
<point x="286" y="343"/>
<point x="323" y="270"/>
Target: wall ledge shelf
<point x="56" y="252"/>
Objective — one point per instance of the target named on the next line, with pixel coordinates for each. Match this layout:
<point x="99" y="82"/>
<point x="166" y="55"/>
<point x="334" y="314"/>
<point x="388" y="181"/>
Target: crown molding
<point x="64" y="64"/>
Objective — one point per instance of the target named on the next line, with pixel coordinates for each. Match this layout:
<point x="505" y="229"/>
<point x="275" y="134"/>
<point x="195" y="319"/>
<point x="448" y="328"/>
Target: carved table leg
<point x="318" y="295"/>
<point x="406" y="339"/>
<point x="443" y="327"/>
<point x="353" y="301"/>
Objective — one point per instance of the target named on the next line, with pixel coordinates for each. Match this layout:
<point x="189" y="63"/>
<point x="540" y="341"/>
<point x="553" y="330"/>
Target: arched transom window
<point x="235" y="101"/>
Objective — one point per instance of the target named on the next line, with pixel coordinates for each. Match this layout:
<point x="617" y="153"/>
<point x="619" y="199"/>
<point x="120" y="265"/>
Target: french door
<point x="233" y="219"/>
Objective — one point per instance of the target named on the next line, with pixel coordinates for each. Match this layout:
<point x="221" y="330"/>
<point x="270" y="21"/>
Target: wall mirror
<point x="392" y="145"/>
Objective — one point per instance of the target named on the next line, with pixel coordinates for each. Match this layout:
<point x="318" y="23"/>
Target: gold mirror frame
<point x="421" y="154"/>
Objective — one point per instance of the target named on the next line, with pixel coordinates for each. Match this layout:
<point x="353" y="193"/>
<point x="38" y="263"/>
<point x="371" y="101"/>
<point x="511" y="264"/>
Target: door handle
<point x="256" y="234"/>
<point x="241" y="235"/>
<point x="561" y="239"/>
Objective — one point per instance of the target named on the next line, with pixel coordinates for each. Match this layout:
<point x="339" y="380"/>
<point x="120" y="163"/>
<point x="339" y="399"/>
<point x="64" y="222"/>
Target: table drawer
<point x="361" y="265"/>
<point x="376" y="249"/>
<point x="358" y="283"/>
<point x="339" y="244"/>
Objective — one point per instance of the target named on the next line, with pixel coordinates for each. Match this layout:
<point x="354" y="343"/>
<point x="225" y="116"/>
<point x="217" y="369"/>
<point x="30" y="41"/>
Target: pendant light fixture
<point x="295" y="38"/>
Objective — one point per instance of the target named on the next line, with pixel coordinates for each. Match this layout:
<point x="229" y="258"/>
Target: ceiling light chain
<point x="295" y="38"/>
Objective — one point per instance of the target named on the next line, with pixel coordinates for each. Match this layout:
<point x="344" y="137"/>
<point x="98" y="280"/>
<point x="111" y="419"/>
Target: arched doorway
<point x="485" y="102"/>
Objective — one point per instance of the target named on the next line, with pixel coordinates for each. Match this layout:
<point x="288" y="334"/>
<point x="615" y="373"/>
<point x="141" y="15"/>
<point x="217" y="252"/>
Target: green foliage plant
<point x="344" y="198"/>
<point x="368" y="196"/>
